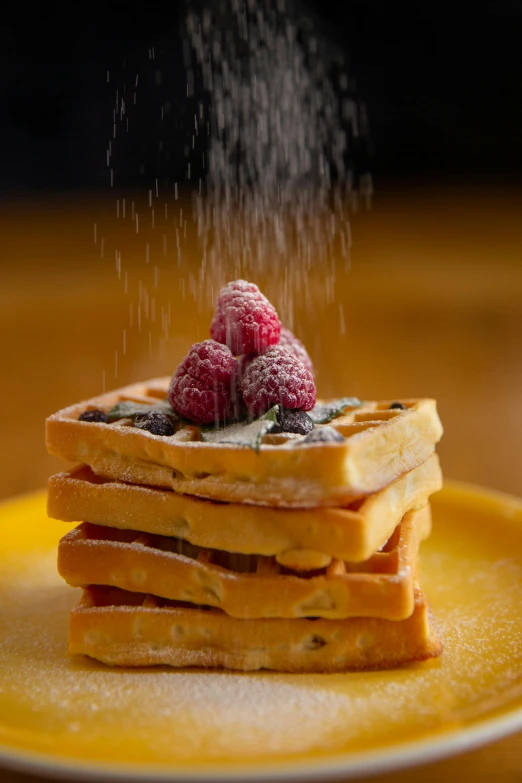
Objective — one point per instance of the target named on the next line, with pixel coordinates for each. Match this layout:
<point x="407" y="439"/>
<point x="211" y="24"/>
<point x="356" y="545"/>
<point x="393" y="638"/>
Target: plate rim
<point x="348" y="765"/>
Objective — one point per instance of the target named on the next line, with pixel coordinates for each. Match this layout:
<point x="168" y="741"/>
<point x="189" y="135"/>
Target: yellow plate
<point x="77" y="717"/>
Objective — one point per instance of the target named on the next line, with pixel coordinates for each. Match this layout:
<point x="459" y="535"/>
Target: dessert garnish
<point x="250" y="362"/>
<point x="245" y="320"/>
<point x="204" y="387"/>
<point x="325" y="412"/>
<point x="277" y="377"/>
<point x="323" y="435"/>
<point x="251" y="378"/>
<point x="155" y="422"/>
<point x="243" y="433"/>
<point x="129" y="410"/>
<point x="94" y="415"/>
<point x="292" y="420"/>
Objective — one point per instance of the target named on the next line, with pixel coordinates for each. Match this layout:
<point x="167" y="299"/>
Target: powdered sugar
<point x="292" y="343"/>
<point x="83" y="707"/>
<point x="280" y="132"/>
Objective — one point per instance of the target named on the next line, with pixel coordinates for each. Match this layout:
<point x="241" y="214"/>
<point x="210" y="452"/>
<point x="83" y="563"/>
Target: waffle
<point x="247" y="586"/>
<point x="380" y="445"/>
<point x="135" y="629"/>
<point x="351" y="534"/>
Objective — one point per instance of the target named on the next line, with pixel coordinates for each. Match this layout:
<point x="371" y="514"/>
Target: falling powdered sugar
<point x="278" y="146"/>
<point x="267" y="140"/>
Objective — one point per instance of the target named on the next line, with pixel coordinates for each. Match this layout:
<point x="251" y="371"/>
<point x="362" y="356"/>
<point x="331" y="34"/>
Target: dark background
<point x="442" y="85"/>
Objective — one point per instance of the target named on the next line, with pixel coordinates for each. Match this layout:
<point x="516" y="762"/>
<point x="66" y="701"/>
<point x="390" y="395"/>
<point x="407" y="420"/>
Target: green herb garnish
<point x="322" y="414"/>
<point x="129" y="410"/>
<point x="241" y="434"/>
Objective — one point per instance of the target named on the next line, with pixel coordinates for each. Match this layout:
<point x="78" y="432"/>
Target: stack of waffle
<point x="293" y="555"/>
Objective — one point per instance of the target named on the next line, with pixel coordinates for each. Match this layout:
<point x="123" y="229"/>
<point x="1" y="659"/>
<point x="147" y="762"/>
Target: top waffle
<point x="380" y="444"/>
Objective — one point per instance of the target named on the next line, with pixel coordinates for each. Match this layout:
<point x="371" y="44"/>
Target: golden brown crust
<point x="128" y="629"/>
<point x="380" y="445"/>
<point x="348" y="534"/>
<point x="380" y="587"/>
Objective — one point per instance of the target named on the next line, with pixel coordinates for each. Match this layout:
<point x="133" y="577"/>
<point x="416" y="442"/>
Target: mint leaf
<point x="216" y="428"/>
<point x="129" y="410"/>
<point x="322" y="414"/>
<point x="241" y="434"/>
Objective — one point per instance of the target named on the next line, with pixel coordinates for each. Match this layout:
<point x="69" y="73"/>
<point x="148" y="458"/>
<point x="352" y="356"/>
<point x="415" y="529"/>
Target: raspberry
<point x="204" y="387"/>
<point x="277" y="376"/>
<point x="244" y="319"/>
<point x="294" y="345"/>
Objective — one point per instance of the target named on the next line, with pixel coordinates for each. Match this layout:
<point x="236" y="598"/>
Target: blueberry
<point x="293" y="420"/>
<point x="155" y="422"/>
<point x="397" y="406"/>
<point x="94" y="415"/>
<point x="323" y="435"/>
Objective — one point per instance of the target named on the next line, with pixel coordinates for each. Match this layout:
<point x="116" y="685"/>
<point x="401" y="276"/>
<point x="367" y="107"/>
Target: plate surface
<point x="78" y="718"/>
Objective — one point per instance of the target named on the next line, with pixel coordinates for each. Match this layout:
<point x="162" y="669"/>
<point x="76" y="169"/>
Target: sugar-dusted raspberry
<point x="204" y="388"/>
<point x="277" y="376"/>
<point x="293" y="344"/>
<point x="244" y="319"/>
